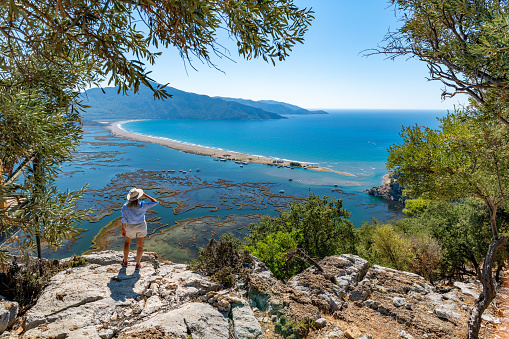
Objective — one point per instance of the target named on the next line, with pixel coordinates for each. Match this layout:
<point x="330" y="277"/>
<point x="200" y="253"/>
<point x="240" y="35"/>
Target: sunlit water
<point x="346" y="141"/>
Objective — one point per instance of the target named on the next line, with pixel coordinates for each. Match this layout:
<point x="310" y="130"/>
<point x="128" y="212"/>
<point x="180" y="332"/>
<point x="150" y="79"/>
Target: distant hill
<point x="109" y="106"/>
<point x="274" y="106"/>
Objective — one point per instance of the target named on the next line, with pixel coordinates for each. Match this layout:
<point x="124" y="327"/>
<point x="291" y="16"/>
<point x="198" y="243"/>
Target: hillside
<point x="110" y="106"/>
<point x="274" y="106"/>
<point x="348" y="299"/>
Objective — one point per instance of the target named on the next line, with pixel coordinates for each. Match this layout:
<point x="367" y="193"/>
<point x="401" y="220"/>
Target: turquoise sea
<point x="223" y="197"/>
<point x="352" y="141"/>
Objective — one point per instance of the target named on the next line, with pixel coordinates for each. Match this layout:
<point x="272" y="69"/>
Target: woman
<point x="134" y="224"/>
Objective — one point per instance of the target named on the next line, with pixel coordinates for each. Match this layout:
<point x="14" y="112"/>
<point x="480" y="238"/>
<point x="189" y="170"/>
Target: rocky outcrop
<point x="393" y="304"/>
<point x="389" y="190"/>
<point x="8" y="313"/>
<point x="166" y="300"/>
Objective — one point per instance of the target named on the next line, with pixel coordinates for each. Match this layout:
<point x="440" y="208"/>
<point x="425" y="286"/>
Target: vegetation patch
<point x="223" y="260"/>
<point x="21" y="282"/>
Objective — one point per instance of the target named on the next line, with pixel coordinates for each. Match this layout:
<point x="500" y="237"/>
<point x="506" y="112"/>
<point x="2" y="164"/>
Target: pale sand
<point x="116" y="130"/>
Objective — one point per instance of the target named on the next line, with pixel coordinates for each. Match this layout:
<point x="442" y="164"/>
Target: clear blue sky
<point x="327" y="71"/>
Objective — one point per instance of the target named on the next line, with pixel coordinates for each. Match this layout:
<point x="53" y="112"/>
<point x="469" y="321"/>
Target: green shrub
<point x="427" y="255"/>
<point x="322" y="221"/>
<point x="416" y="206"/>
<point x="290" y="329"/>
<point x="392" y="248"/>
<point x="20" y="280"/>
<point x="272" y="251"/>
<point x="295" y="164"/>
<point x="222" y="260"/>
<point x="463" y="230"/>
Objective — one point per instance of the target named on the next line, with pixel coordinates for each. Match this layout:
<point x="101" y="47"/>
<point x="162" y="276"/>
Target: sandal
<point x="124" y="263"/>
<point x="137" y="267"/>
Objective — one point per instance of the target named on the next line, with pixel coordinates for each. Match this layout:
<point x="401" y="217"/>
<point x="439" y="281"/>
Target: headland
<point x="117" y="131"/>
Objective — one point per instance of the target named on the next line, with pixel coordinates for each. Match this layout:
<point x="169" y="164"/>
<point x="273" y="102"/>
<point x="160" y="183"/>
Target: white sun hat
<point x="135" y="194"/>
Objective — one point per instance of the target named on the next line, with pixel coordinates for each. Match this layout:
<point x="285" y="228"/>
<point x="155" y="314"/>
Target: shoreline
<point x="116" y="130"/>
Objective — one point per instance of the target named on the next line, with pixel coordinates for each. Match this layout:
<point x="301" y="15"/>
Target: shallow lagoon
<point x="221" y="197"/>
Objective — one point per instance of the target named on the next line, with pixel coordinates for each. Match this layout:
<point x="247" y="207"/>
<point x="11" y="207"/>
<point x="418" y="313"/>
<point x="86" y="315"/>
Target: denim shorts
<point x="136" y="230"/>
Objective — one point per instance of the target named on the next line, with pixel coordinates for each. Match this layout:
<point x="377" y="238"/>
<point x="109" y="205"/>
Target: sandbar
<point x="117" y="131"/>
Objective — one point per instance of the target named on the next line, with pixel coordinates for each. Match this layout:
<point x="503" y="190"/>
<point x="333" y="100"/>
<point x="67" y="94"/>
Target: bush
<point x="463" y="230"/>
<point x="222" y="260"/>
<point x="445" y="239"/>
<point x="416" y="206"/>
<point x="427" y="254"/>
<point x="272" y="251"/>
<point x="322" y="221"/>
<point x="290" y="329"/>
<point x="295" y="164"/>
<point x="392" y="249"/>
<point x="20" y="280"/>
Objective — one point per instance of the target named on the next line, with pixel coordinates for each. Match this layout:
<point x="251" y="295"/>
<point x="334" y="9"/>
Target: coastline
<point x="116" y="130"/>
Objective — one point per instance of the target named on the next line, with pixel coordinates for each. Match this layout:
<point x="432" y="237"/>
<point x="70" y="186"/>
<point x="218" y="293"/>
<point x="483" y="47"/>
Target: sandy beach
<point x="117" y="131"/>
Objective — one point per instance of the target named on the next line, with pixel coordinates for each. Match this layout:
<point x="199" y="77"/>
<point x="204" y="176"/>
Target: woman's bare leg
<point x="127" y="243"/>
<point x="139" y="249"/>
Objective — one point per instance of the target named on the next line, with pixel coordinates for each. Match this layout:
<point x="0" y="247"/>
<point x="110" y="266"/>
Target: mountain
<point x="107" y="105"/>
<point x="274" y="106"/>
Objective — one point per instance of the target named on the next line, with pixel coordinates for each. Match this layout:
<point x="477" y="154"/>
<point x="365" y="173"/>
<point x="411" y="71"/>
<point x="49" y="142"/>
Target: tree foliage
<point x="465" y="157"/>
<point x="38" y="122"/>
<point x="114" y="37"/>
<point x="272" y="252"/>
<point x="321" y="222"/>
<point x="463" y="229"/>
<point x="51" y="50"/>
<point x="392" y="249"/>
<point x="223" y="260"/>
<point x="465" y="46"/>
<point x="464" y="43"/>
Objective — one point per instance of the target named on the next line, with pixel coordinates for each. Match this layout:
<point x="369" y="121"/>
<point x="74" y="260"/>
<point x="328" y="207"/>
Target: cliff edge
<point x="166" y="300"/>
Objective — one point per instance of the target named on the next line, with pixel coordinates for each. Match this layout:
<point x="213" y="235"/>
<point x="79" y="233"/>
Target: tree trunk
<point x="3" y="201"/>
<point x="37" y="166"/>
<point x="476" y="267"/>
<point x="488" y="291"/>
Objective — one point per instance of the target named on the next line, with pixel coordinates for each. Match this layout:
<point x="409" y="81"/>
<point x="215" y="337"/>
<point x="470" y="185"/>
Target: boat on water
<point x="184" y="172"/>
<point x="216" y="159"/>
<point x="241" y="165"/>
<point x="197" y="170"/>
<point x="290" y="179"/>
<point x="171" y="171"/>
<point x="244" y="163"/>
<point x="282" y="191"/>
<point x="222" y="159"/>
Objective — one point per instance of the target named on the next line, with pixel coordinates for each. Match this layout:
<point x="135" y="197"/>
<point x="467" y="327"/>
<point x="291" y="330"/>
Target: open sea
<point x="352" y="141"/>
<point x="223" y="197"/>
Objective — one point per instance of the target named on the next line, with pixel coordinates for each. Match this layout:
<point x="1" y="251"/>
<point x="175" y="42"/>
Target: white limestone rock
<point x="468" y="289"/>
<point x="8" y="313"/>
<point x="200" y="319"/>
<point x="398" y="301"/>
<point x="447" y="311"/>
<point x="245" y="324"/>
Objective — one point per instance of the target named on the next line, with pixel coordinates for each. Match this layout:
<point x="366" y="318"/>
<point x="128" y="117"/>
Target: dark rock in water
<point x="390" y="189"/>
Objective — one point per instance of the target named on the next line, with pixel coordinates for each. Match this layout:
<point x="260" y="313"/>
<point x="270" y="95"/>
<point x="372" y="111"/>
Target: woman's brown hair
<point x="132" y="204"/>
